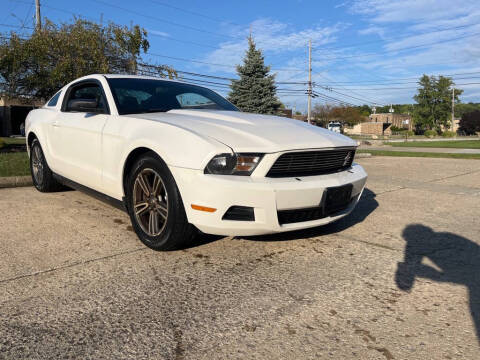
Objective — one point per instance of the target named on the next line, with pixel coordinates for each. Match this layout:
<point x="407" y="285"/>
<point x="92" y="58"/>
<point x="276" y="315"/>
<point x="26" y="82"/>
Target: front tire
<point x="42" y="176"/>
<point x="155" y="205"/>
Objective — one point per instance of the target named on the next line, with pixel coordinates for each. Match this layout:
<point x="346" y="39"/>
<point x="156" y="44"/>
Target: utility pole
<point x="38" y="19"/>
<point x="453" y="108"/>
<point x="309" y="116"/>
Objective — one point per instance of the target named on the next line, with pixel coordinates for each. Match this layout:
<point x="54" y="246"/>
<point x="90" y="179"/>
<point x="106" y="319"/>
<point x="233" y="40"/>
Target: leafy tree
<point x="57" y="54"/>
<point x="321" y="113"/>
<point x="255" y="90"/>
<point x="470" y="122"/>
<point x="347" y="115"/>
<point x="365" y="110"/>
<point x="434" y="97"/>
<point x="465" y="108"/>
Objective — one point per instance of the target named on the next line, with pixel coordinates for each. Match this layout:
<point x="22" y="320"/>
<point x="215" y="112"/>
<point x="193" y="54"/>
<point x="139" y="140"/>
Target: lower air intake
<point x="239" y="213"/>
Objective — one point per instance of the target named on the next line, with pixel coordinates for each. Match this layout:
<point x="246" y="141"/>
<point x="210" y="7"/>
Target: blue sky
<point x="364" y="51"/>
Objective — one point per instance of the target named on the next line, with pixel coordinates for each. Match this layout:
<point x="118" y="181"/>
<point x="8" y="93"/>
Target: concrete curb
<point x="15" y="181"/>
<point x="362" y="155"/>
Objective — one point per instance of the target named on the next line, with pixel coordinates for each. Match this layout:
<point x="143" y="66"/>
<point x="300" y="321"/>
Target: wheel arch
<point x="130" y="161"/>
<point x="30" y="137"/>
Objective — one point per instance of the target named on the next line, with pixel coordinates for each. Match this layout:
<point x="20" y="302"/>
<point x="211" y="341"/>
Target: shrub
<point x="2" y="143"/>
<point x="430" y="133"/>
<point x="449" y="134"/>
<point x="409" y="132"/>
<point x="470" y="122"/>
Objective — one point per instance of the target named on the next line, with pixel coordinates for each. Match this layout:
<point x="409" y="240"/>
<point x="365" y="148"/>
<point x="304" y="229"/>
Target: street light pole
<point x="453" y="108"/>
<point x="309" y="116"/>
<point x="38" y="19"/>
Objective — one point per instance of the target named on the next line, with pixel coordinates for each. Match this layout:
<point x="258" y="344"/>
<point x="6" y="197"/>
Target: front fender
<point x="177" y="146"/>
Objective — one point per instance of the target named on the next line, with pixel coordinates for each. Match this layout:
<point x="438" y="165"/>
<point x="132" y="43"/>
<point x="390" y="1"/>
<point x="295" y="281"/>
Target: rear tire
<point x="155" y="205"/>
<point x="42" y="176"/>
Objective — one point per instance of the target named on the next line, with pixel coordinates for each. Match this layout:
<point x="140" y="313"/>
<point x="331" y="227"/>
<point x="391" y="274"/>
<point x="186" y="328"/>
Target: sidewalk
<point x="421" y="149"/>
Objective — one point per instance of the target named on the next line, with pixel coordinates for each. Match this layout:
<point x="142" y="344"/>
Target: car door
<point x="79" y="135"/>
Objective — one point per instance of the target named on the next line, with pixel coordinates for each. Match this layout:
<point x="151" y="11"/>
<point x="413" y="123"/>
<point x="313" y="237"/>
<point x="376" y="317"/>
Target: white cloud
<point x="158" y="33"/>
<point x="394" y="11"/>
<point x="399" y="23"/>
<point x="273" y="38"/>
<point x="380" y="31"/>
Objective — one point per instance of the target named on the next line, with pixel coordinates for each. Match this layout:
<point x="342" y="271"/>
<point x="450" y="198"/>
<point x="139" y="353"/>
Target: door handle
<point x="55" y="124"/>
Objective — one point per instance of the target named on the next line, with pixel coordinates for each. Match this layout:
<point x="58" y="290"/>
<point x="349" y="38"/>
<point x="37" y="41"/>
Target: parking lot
<point x="397" y="279"/>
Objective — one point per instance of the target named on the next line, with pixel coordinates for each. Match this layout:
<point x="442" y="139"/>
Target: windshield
<point x="135" y="96"/>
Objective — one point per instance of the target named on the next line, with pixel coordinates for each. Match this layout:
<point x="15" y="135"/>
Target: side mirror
<point x="84" y="105"/>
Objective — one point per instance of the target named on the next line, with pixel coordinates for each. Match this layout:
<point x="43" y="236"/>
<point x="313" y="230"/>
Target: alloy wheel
<point x="150" y="202"/>
<point x="37" y="164"/>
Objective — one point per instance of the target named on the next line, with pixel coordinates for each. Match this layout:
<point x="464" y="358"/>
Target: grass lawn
<point x="462" y="144"/>
<point x="14" y="164"/>
<point x="12" y="141"/>
<point x="420" y="154"/>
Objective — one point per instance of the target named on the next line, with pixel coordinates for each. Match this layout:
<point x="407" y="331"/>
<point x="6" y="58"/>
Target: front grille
<point x="309" y="163"/>
<point x="309" y="214"/>
<point x="299" y="215"/>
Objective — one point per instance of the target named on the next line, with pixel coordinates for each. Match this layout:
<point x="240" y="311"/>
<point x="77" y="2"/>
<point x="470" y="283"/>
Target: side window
<point x="87" y="91"/>
<point x="53" y="101"/>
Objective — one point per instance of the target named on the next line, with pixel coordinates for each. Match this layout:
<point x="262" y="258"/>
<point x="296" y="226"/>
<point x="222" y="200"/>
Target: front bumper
<point x="266" y="195"/>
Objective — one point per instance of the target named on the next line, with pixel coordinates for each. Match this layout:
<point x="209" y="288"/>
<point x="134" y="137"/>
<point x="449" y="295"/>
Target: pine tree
<point x="255" y="91"/>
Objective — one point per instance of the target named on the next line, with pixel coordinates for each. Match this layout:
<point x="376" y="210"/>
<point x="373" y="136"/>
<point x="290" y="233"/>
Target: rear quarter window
<point x="54" y="100"/>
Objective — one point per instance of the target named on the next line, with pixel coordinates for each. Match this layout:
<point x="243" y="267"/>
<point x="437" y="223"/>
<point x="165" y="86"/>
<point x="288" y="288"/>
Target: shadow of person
<point x="364" y="208"/>
<point x="457" y="258"/>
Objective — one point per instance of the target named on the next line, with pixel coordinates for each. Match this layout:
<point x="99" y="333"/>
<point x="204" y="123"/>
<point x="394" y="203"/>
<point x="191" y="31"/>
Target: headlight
<point x="233" y="164"/>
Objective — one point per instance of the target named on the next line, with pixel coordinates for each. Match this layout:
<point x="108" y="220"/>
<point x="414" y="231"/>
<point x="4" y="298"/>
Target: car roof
<point x="116" y="76"/>
<point x="126" y="76"/>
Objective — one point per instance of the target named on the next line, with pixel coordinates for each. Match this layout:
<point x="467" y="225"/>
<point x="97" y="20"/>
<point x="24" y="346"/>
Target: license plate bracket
<point x="337" y="198"/>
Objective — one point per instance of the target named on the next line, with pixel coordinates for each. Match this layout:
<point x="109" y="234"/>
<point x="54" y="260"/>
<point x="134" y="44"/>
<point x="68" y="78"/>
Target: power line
<point x="207" y="63"/>
<point x="401" y="49"/>
<point x="392" y="81"/>
<point x="130" y="11"/>
<point x="191" y="12"/>
<point x="151" y="32"/>
<point x="169" y="38"/>
<point x="201" y="81"/>
<point x="350" y="96"/>
<point x="220" y="77"/>
<point x="335" y="100"/>
<point x="17" y="26"/>
<point x="354" y="45"/>
<point x="406" y="88"/>
<point x="364" y="98"/>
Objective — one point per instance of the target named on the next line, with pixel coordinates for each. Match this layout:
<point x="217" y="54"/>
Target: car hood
<point x="245" y="132"/>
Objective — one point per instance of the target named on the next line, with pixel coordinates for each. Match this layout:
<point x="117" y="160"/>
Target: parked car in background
<point x="334" y="126"/>
<point x="179" y="157"/>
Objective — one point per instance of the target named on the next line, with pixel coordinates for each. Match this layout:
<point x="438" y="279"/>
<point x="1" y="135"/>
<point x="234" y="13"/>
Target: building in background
<point x="403" y="121"/>
<point x="13" y="113"/>
<point x="381" y="124"/>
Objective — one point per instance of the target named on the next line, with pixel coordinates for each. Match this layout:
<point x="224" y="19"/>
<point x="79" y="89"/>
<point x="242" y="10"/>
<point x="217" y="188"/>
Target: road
<point x="397" y="279"/>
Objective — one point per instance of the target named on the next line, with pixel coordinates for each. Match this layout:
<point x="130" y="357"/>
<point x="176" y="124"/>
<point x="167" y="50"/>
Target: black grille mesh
<point x="308" y="163"/>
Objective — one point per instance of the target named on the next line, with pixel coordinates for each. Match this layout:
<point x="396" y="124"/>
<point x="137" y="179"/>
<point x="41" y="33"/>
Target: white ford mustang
<point x="178" y="157"/>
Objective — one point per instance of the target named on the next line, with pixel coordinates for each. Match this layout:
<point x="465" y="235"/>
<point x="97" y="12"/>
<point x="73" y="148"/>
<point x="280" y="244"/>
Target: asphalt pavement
<point x="397" y="279"/>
